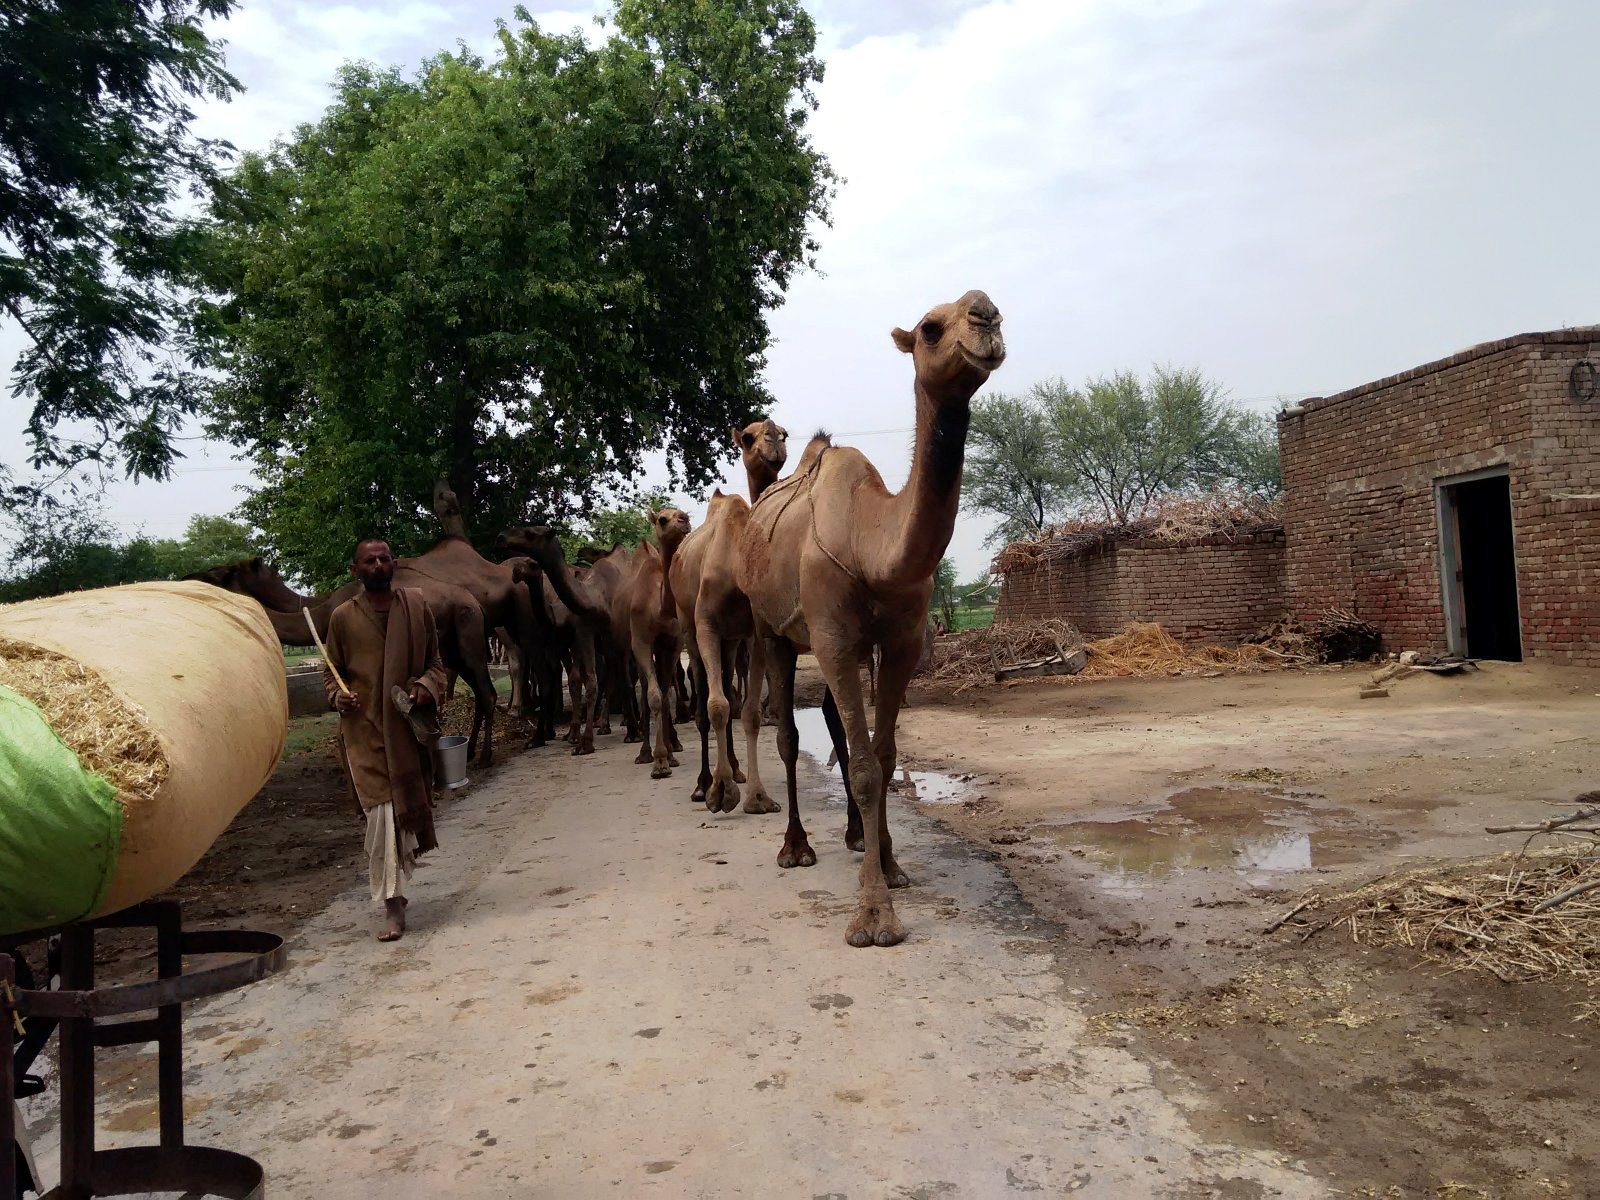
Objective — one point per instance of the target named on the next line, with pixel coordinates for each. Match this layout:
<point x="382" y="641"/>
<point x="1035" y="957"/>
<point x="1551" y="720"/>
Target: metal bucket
<point x="450" y="759"/>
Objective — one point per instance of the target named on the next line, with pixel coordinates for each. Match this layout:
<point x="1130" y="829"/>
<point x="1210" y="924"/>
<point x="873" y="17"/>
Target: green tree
<point x="522" y="275"/>
<point x="61" y="548"/>
<point x="94" y="148"/>
<point x="1123" y="441"/>
<point x="946" y="591"/>
<point x="1013" y="471"/>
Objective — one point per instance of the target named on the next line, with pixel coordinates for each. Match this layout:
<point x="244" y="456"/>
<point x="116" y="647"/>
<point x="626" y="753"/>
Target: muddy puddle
<point x="925" y="787"/>
<point x="1254" y="835"/>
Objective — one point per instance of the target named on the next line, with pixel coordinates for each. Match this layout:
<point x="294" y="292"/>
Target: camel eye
<point x="932" y="331"/>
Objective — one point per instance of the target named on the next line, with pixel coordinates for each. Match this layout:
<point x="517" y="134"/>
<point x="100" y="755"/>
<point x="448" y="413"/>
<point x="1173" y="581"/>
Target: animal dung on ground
<point x="135" y="722"/>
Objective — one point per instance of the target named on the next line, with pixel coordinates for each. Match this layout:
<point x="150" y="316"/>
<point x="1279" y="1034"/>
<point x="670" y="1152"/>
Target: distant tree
<point x="95" y="147"/>
<point x="523" y="274"/>
<point x="626" y="524"/>
<point x="980" y="590"/>
<point x="1251" y="453"/>
<point x="60" y="548"/>
<point x="945" y="592"/>
<point x="1123" y="441"/>
<point x="1013" y="471"/>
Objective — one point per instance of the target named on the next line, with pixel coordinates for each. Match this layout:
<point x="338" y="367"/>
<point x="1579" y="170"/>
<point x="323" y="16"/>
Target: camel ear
<point x="906" y="341"/>
<point x="736" y="436"/>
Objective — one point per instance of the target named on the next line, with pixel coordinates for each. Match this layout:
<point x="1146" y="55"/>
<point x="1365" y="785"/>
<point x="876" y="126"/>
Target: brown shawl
<point x="382" y="755"/>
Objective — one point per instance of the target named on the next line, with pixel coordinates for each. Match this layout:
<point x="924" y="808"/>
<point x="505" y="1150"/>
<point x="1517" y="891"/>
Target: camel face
<point x="956" y="345"/>
<point x="763" y="444"/>
<point x="671" y="526"/>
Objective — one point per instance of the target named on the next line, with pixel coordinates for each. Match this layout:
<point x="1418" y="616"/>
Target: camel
<point x="832" y="561"/>
<point x="715" y="616"/>
<point x="573" y="626"/>
<point x="644" y="617"/>
<point x="463" y="639"/>
<point x="587" y="594"/>
<point x="453" y="560"/>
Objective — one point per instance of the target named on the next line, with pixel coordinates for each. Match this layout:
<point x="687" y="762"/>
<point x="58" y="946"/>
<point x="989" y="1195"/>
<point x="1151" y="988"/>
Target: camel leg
<point x="712" y="700"/>
<point x="483" y="705"/>
<point x="874" y="922"/>
<point x="756" y="799"/>
<point x="681" y="681"/>
<point x="895" y="669"/>
<point x="581" y="677"/>
<point x="667" y="729"/>
<point x="841" y="752"/>
<point x="697" y="668"/>
<point x="797" y="851"/>
<point x="656" y="711"/>
<point x="602" y="686"/>
<point x="735" y="703"/>
<point x="641" y="677"/>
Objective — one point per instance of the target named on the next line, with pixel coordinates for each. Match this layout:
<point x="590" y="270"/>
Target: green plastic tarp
<point x="60" y="825"/>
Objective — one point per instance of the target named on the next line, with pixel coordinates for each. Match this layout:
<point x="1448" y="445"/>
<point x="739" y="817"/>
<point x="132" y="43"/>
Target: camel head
<point x="536" y="542"/>
<point x="955" y="346"/>
<point x="763" y="445"/>
<point x="525" y="570"/>
<point x="671" y="526"/>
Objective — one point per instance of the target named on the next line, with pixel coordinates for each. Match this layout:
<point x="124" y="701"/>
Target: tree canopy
<point x="1110" y="448"/>
<point x="65" y="549"/>
<point x="95" y="149"/>
<point x="522" y="275"/>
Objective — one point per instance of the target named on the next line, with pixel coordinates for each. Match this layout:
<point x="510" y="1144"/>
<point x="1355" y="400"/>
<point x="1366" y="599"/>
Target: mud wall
<point x="1359" y="470"/>
<point x="1216" y="591"/>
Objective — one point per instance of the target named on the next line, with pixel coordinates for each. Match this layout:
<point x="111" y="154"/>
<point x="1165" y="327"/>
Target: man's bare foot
<point x="394" y="910"/>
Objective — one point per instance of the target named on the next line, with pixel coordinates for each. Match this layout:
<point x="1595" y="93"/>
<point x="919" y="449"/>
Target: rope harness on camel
<point x="807" y="477"/>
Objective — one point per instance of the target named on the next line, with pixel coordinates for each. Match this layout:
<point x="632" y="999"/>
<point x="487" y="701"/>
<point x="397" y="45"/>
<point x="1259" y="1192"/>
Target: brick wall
<point x="1359" y="471"/>
<point x="1216" y="591"/>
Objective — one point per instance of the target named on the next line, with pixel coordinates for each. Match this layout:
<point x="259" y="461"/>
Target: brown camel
<point x="644" y="616"/>
<point x="463" y="638"/>
<point x="588" y="594"/>
<point x="715" y="616"/>
<point x="453" y="560"/>
<point x="573" y="631"/>
<point x="833" y="561"/>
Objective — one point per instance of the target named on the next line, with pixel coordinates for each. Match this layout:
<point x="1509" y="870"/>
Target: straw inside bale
<point x="108" y="735"/>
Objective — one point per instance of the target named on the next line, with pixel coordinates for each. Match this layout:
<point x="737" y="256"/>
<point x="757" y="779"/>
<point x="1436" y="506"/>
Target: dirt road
<point x="607" y="992"/>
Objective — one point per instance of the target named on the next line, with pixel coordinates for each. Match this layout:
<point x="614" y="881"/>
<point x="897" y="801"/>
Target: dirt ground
<point x="1161" y="824"/>
<point x="1087" y="1001"/>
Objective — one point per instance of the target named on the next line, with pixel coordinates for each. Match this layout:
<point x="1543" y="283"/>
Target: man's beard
<point x="384" y="584"/>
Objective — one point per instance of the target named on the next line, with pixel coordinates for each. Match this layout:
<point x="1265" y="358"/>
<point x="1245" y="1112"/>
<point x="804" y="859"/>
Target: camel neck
<point x="925" y="509"/>
<point x="759" y="477"/>
<point x="669" y="603"/>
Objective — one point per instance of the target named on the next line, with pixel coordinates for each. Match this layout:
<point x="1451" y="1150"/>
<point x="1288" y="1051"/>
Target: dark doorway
<point x="1484" y="591"/>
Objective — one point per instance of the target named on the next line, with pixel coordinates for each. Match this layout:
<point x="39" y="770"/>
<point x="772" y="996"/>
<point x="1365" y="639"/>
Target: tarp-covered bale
<point x="135" y="723"/>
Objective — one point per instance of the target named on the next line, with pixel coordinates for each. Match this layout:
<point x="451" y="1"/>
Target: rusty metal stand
<point x="78" y="1007"/>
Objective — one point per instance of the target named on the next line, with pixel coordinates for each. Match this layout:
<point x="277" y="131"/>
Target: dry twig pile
<point x="1519" y="916"/>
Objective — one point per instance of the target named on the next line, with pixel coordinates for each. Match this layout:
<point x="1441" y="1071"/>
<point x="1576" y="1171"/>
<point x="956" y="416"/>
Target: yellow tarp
<point x="203" y="668"/>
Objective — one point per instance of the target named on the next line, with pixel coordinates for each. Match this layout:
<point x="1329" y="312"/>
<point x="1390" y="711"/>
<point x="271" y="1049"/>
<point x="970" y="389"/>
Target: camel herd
<point x="825" y="560"/>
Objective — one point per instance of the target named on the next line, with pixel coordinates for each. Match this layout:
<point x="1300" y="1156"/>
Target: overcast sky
<point x="1294" y="197"/>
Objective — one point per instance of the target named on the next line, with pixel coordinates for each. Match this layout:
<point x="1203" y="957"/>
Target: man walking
<point x="383" y="644"/>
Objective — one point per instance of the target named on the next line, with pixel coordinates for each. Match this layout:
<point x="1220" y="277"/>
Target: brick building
<point x="1217" y="589"/>
<point x="1456" y="505"/>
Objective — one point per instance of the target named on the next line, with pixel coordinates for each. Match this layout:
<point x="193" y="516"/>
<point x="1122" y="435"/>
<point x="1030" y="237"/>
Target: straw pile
<point x="1519" y="916"/>
<point x="1173" y="520"/>
<point x="1335" y="636"/>
<point x="109" y="736"/>
<point x="969" y="659"/>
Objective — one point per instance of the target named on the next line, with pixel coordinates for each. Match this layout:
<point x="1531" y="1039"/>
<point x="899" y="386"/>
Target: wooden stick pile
<point x="1520" y="916"/>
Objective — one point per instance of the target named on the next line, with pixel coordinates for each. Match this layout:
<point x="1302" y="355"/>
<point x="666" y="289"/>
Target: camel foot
<point x="644" y="756"/>
<point x="583" y="748"/>
<point x="759" y="802"/>
<point x="875" y="925"/>
<point x="659" y="771"/>
<point x="604" y="728"/>
<point x="698" y="796"/>
<point x="797" y="852"/>
<point x="855" y="840"/>
<point x="894" y="876"/>
<point x="722" y="795"/>
<point x="672" y="740"/>
<point x="672" y="759"/>
<point x="738" y="776"/>
<point x="630" y="737"/>
<point x="484" y="761"/>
